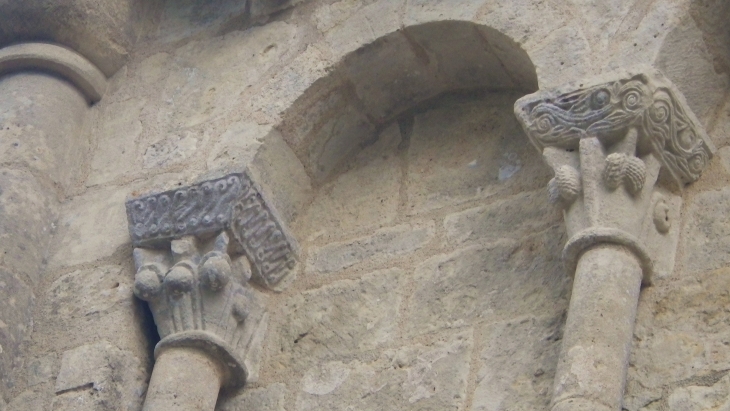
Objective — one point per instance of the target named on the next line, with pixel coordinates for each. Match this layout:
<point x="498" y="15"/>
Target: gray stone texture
<point x="269" y="398"/>
<point x="339" y="320"/>
<point x="706" y="231"/>
<point x="336" y="106"/>
<point x="384" y="244"/>
<point x="481" y="284"/>
<point x="418" y="377"/>
<point x="519" y="375"/>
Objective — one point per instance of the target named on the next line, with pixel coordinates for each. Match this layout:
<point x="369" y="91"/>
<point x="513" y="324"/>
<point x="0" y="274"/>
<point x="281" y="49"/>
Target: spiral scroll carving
<point x="646" y="102"/>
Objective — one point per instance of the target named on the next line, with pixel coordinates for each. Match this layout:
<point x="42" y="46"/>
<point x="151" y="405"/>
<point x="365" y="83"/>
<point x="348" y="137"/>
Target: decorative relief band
<point x="646" y="102"/>
<point x="229" y="203"/>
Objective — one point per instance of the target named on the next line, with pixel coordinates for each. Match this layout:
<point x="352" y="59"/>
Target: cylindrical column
<point x="41" y="116"/>
<point x="591" y="373"/>
<point x="184" y="379"/>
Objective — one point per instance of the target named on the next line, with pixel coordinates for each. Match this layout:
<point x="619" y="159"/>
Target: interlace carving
<point x="607" y="111"/>
<point x="231" y="203"/>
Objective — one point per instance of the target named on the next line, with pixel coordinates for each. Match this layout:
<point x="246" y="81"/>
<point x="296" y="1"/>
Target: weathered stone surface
<point x="99" y="377"/>
<point x="518" y="364"/>
<point x="90" y="305"/>
<point x="30" y="400"/>
<point x="339" y="320"/>
<point x="41" y="126"/>
<point x="27" y="217"/>
<point x="419" y="377"/>
<point x="562" y="56"/>
<point x="385" y="244"/>
<point x="116" y="133"/>
<point x="701" y="398"/>
<point x="466" y="149"/>
<point x="707" y="231"/>
<point x="360" y="199"/>
<point x="510" y="218"/>
<point x="16" y="324"/>
<point x="685" y="59"/>
<point x="478" y="284"/>
<point x="93" y="226"/>
<point x="681" y="334"/>
<point x="270" y="398"/>
<point x="42" y="369"/>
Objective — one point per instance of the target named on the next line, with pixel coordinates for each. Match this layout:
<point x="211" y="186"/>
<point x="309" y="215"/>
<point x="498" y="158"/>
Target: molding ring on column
<point x="236" y="372"/>
<point x="56" y="59"/>
<point x="585" y="239"/>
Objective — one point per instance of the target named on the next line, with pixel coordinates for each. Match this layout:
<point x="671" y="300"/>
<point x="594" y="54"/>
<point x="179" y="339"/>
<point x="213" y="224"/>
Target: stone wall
<point x="430" y="274"/>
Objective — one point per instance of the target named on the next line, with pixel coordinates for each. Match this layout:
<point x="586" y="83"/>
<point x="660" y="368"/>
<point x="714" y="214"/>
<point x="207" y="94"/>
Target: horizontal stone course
<point x="485" y="283"/>
<point x="339" y="320"/>
<point x="381" y="246"/>
<point x="419" y="377"/>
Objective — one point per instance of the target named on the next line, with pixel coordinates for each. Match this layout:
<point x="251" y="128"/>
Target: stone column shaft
<point x="618" y="147"/>
<point x="597" y="338"/>
<point x="184" y="379"/>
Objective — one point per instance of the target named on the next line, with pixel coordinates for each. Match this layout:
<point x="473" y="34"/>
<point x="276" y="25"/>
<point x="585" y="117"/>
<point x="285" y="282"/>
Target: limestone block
<point x="516" y="62"/>
<point x="420" y="11"/>
<point x="706" y="234"/>
<point x="509" y="218"/>
<point x="469" y="149"/>
<point x="41" y="369"/>
<point x="360" y="199"/>
<point x="338" y="137"/>
<point x="484" y="283"/>
<point x="419" y="377"/>
<point x="516" y="19"/>
<point x="518" y="364"/>
<point x="464" y="58"/>
<point x="30" y="400"/>
<point x="206" y="77"/>
<point x="92" y="226"/>
<point x="701" y="398"/>
<point x="383" y="245"/>
<point x="282" y="176"/>
<point x="174" y="148"/>
<point x="724" y="154"/>
<point x="720" y="129"/>
<point x="116" y="133"/>
<point x="269" y="398"/>
<point x="328" y="16"/>
<point x="392" y="75"/>
<point x="368" y="24"/>
<point x="339" y="320"/>
<point x="89" y="305"/>
<point x="262" y="8"/>
<point x="97" y="377"/>
<point x="16" y="323"/>
<point x="561" y="57"/>
<point x="27" y="220"/>
<point x="685" y="60"/>
<point x="681" y="333"/>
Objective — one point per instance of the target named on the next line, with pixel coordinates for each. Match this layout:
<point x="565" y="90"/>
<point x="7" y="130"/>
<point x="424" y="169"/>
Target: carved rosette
<point x="196" y="249"/>
<point x="609" y="142"/>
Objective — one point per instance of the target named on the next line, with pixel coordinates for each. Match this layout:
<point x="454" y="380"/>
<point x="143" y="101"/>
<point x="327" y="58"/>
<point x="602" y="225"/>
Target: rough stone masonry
<point x="472" y="205"/>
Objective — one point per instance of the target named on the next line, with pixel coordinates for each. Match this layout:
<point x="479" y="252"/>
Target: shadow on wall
<point x="374" y="85"/>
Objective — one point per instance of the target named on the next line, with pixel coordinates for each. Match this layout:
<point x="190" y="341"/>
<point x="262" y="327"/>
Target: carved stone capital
<point x="233" y="203"/>
<point x="197" y="249"/>
<point x="609" y="142"/>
